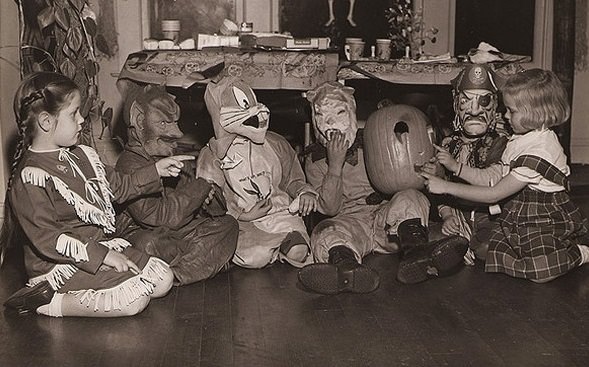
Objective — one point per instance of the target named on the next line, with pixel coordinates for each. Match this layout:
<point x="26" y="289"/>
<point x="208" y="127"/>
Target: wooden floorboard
<point x="263" y="318"/>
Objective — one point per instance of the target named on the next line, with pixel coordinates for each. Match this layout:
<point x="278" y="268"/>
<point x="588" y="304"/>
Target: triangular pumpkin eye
<point x="241" y="98"/>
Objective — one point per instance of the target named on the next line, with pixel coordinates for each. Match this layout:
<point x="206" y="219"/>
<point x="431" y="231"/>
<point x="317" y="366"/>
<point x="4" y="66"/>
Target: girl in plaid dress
<point x="541" y="234"/>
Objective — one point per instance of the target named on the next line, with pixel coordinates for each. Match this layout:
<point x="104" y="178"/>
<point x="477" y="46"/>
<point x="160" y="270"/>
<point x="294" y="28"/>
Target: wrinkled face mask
<point x="241" y="114"/>
<point x="154" y="120"/>
<point x="161" y="132"/>
<point x="333" y="109"/>
<point x="475" y="111"/>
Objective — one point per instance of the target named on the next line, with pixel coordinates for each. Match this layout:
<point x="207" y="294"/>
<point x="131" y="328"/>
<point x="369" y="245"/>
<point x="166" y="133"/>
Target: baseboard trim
<point x="580" y="150"/>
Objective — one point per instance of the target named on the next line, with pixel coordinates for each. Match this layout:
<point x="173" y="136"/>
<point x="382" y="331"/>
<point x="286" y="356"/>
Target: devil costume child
<point x="254" y="166"/>
<point x="195" y="239"/>
<point x="62" y="199"/>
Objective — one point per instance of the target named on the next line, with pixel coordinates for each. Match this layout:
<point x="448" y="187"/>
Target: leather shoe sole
<point x="438" y="259"/>
<point x="328" y="278"/>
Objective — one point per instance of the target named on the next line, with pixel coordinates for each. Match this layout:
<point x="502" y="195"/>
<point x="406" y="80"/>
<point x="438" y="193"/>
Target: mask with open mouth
<point x="234" y="111"/>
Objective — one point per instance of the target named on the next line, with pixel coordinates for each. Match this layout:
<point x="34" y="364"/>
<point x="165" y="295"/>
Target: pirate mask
<point x="475" y="100"/>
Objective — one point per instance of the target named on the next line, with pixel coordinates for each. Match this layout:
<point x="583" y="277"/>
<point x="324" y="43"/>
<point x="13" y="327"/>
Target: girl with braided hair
<point x="60" y="194"/>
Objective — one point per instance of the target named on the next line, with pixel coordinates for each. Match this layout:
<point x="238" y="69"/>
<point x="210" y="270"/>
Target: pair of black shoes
<point x="422" y="260"/>
<point x="28" y="299"/>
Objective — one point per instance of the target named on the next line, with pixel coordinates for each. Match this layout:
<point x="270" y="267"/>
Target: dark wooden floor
<point x="262" y="318"/>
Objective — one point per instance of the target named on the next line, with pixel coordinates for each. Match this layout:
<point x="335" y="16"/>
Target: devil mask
<point x="333" y="108"/>
<point x="235" y="111"/>
<point x="152" y="118"/>
<point x="475" y="100"/>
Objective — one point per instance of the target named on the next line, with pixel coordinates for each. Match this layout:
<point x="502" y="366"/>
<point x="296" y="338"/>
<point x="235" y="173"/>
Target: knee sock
<point x="584" y="249"/>
<point x="52" y="309"/>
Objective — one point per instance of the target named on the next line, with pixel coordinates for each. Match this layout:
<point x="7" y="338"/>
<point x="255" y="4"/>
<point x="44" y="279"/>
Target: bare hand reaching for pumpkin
<point x="337" y="146"/>
<point x="434" y="184"/>
<point x="446" y="159"/>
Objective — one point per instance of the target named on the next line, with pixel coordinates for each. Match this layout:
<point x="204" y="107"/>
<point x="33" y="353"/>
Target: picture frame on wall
<point x="195" y="16"/>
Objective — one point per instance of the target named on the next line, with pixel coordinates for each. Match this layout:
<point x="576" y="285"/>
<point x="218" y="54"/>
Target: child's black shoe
<point x="342" y="273"/>
<point x="437" y="259"/>
<point x="28" y="299"/>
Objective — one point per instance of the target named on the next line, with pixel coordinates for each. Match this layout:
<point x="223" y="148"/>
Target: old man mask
<point x="475" y="100"/>
<point x="153" y="121"/>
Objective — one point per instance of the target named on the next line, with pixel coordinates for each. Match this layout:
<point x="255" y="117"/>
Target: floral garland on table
<point x="407" y="28"/>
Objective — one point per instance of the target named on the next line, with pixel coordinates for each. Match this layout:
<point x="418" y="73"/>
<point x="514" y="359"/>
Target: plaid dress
<point x="537" y="234"/>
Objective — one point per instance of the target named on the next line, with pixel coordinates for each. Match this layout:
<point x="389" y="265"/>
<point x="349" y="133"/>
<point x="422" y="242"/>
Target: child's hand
<point x="337" y="145"/>
<point x="120" y="262"/>
<point x="451" y="225"/>
<point x="171" y="166"/>
<point x="215" y="203"/>
<point x="446" y="159"/>
<point x="433" y="168"/>
<point x="260" y="209"/>
<point x="434" y="184"/>
<point x="307" y="203"/>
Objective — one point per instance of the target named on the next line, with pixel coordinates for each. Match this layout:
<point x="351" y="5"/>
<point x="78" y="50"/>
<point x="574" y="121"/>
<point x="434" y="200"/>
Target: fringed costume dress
<point x="62" y="200"/>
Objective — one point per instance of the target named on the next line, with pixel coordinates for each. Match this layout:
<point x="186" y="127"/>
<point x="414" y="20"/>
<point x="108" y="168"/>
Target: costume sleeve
<point x="54" y="239"/>
<point x="174" y="207"/>
<point x="143" y="180"/>
<point x="293" y="178"/>
<point x="328" y="186"/>
<point x="482" y="176"/>
<point x="207" y="167"/>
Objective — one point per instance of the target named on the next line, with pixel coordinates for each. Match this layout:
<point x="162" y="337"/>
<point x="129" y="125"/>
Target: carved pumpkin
<point x="396" y="141"/>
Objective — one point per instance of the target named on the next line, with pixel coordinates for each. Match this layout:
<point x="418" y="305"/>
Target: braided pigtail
<point x="38" y="92"/>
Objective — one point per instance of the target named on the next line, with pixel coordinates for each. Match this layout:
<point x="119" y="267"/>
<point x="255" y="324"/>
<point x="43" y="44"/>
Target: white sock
<point x="52" y="309"/>
<point x="584" y="249"/>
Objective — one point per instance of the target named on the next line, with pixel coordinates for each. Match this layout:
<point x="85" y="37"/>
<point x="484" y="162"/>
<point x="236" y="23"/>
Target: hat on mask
<point x="477" y="76"/>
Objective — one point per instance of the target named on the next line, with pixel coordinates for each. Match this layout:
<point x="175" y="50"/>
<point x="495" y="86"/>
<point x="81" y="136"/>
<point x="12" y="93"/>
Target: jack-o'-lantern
<point x="396" y="142"/>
